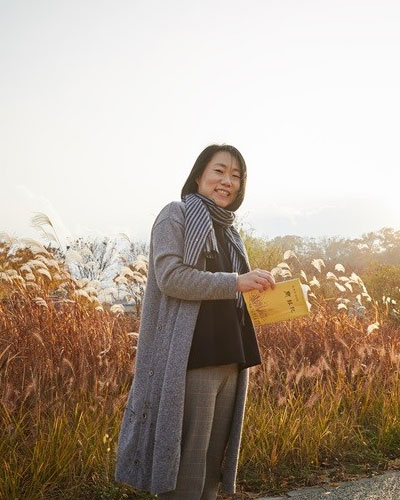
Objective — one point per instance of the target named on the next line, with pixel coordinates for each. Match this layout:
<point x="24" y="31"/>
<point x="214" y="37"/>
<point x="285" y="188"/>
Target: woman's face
<point x="221" y="179"/>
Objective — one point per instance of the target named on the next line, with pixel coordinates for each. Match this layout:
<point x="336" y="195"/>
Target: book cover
<point x="285" y="301"/>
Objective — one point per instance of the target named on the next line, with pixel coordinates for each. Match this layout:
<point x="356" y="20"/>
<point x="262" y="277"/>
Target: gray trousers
<point x="209" y="402"/>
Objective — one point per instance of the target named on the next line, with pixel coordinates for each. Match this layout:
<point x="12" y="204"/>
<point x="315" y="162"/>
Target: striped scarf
<point x="200" y="236"/>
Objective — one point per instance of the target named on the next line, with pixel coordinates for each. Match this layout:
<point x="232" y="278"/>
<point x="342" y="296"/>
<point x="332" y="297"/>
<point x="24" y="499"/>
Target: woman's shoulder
<point x="174" y="210"/>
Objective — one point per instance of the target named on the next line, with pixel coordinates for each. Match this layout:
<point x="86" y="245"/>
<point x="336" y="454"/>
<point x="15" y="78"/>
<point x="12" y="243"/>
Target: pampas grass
<point x="326" y="395"/>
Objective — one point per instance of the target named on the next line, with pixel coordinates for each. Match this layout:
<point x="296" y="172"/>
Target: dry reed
<point x="327" y="392"/>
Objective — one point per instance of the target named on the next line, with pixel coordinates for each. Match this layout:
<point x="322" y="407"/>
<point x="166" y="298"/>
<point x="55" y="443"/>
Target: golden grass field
<point x="326" y="399"/>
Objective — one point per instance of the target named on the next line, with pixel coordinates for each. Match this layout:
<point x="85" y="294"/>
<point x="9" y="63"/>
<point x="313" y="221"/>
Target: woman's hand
<point x="258" y="279"/>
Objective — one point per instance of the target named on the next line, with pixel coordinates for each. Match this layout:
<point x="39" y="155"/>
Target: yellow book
<point x="285" y="301"/>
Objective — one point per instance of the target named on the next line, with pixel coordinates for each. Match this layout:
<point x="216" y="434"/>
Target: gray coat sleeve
<point x="177" y="279"/>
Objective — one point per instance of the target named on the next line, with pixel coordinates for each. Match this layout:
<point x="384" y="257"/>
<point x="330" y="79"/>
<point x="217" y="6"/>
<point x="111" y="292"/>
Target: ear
<point x="197" y="180"/>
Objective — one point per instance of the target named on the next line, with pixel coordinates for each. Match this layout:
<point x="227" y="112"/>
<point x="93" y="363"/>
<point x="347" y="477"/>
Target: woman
<point x="181" y="429"/>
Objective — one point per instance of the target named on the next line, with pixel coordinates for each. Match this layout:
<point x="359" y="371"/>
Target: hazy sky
<point x="105" y="106"/>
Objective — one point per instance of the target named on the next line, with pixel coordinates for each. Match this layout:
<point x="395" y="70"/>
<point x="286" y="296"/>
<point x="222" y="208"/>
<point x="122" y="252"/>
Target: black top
<point x="219" y="338"/>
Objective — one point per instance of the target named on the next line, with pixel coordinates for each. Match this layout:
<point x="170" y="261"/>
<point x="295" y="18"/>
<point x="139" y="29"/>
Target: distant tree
<point x="262" y="253"/>
<point x="290" y="242"/>
<point x="383" y="280"/>
<point x="94" y="259"/>
<point x="134" y="250"/>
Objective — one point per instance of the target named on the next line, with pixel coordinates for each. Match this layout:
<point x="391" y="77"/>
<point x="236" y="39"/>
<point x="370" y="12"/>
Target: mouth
<point x="223" y="192"/>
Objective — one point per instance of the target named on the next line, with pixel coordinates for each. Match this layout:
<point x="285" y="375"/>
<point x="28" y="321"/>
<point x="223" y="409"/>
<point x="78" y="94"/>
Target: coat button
<point x="136" y="462"/>
<point x="144" y="416"/>
<point x="151" y="373"/>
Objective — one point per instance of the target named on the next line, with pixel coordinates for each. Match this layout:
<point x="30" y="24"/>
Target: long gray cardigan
<point x="149" y="442"/>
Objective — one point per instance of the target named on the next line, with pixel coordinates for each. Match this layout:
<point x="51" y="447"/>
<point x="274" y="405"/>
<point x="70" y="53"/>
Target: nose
<point x="226" y="179"/>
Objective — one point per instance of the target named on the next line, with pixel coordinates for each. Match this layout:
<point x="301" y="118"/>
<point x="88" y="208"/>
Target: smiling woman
<point x="182" y="423"/>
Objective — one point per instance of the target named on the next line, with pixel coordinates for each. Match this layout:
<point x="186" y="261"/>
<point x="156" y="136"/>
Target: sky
<point x="105" y="106"/>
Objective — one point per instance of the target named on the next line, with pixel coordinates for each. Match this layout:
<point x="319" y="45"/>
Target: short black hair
<point x="204" y="159"/>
